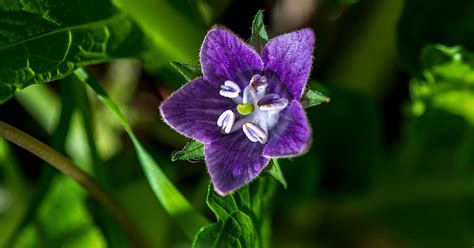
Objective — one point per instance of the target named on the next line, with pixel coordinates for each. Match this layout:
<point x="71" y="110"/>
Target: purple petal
<point x="291" y="136"/>
<point x="233" y="161"/>
<point x="224" y="56"/>
<point x="289" y="57"/>
<point x="194" y="109"/>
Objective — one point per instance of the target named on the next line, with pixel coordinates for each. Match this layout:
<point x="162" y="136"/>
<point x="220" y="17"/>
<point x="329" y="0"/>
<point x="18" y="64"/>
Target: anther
<point x="230" y="89"/>
<point x="226" y="121"/>
<point x="258" y="82"/>
<point x="255" y="133"/>
<point x="272" y="102"/>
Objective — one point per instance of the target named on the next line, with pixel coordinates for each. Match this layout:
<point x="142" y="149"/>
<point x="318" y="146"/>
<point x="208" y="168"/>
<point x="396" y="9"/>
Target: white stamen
<point x="272" y="102"/>
<point x="255" y="133"/>
<point x="226" y="121"/>
<point x="259" y="84"/>
<point x="230" y="89"/>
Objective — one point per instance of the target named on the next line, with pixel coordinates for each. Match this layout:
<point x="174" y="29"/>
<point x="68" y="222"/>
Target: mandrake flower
<point x="245" y="108"/>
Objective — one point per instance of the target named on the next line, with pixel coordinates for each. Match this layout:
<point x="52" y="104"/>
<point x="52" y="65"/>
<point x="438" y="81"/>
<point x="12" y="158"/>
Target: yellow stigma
<point x="245" y="109"/>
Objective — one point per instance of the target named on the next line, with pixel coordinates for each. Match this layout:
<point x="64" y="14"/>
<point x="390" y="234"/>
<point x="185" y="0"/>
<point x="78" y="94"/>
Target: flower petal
<point x="291" y="136"/>
<point x="194" y="110"/>
<point x="289" y="57"/>
<point x="233" y="161"/>
<point x="224" y="56"/>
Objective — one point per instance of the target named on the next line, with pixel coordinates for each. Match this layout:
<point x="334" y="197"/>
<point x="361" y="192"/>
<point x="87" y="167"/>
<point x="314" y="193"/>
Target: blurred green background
<point x="392" y="160"/>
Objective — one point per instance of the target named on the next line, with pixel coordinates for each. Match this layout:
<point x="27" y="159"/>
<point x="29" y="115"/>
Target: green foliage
<point x="169" y="196"/>
<point x="43" y="40"/>
<point x="194" y="150"/>
<point x="368" y="163"/>
<point x="433" y="21"/>
<point x="347" y="146"/>
<point x="242" y="217"/>
<point x="447" y="82"/>
<point x="58" y="141"/>
<point x="313" y="98"/>
<point x="188" y="71"/>
<point x="259" y="33"/>
<point x="174" y="27"/>
<point x="343" y="2"/>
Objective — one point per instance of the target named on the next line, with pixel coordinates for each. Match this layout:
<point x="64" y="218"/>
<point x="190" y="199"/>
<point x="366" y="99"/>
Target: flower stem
<point x="64" y="165"/>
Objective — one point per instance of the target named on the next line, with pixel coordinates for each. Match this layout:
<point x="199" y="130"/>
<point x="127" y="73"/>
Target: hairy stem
<point x="64" y="165"/>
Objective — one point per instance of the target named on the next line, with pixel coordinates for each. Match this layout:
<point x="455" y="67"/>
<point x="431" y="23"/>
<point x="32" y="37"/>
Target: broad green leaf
<point x="194" y="150"/>
<point x="276" y="172"/>
<point x="433" y="21"/>
<point x="177" y="206"/>
<point x="242" y="217"/>
<point x="259" y="33"/>
<point x="447" y="82"/>
<point x="66" y="202"/>
<point x="314" y="98"/>
<point x="188" y="71"/>
<point x="42" y="41"/>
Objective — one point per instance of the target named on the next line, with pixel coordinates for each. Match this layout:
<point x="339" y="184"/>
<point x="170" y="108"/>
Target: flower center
<point x="257" y="111"/>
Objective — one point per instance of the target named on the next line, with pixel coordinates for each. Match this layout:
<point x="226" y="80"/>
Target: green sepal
<point x="276" y="172"/>
<point x="259" y="33"/>
<point x="188" y="71"/>
<point x="314" y="98"/>
<point x="193" y="151"/>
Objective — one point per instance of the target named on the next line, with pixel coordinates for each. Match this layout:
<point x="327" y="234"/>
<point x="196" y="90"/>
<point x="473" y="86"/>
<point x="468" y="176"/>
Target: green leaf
<point x="188" y="71"/>
<point x="259" y="33"/>
<point x="313" y="98"/>
<point x="47" y="40"/>
<point x="194" y="150"/>
<point x="243" y="217"/>
<point x="433" y="21"/>
<point x="175" y="204"/>
<point x="447" y="82"/>
<point x="276" y="172"/>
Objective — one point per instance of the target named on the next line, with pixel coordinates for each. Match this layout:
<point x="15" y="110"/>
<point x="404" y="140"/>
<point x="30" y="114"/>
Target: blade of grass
<point x="179" y="208"/>
<point x="64" y="165"/>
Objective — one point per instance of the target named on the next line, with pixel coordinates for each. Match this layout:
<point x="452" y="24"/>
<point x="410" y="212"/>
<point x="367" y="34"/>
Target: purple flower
<point x="246" y="108"/>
